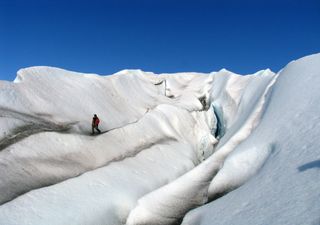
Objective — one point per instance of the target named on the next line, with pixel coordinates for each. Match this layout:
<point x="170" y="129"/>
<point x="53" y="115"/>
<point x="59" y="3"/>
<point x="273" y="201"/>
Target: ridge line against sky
<point x="161" y="36"/>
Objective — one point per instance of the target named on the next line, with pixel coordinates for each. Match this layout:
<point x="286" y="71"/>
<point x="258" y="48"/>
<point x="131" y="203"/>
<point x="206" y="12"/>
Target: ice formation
<point x="216" y="143"/>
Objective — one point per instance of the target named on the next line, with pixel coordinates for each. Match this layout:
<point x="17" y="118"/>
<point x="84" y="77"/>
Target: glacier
<point x="183" y="148"/>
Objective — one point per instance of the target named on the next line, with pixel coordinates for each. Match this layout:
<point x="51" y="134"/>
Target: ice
<point x="284" y="142"/>
<point x="236" y="149"/>
<point x="192" y="189"/>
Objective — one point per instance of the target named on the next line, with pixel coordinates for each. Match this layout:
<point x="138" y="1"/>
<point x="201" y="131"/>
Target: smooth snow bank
<point x="286" y="188"/>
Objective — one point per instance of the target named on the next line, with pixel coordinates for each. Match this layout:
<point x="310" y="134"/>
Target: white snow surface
<point x="190" y="148"/>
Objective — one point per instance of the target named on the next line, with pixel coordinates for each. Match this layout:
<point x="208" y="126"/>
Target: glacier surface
<point x="190" y="148"/>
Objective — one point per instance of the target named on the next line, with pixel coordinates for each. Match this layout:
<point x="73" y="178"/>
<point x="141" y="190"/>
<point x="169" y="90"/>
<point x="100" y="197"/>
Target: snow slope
<point x="171" y="143"/>
<point x="286" y="188"/>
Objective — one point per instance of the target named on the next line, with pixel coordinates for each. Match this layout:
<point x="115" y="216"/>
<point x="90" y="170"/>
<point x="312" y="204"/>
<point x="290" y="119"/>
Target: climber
<point x="95" y="124"/>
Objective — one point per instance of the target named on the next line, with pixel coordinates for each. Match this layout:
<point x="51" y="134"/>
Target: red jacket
<point x="95" y="121"/>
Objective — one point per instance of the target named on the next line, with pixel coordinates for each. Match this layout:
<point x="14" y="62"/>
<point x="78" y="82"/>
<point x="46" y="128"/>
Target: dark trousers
<point x="95" y="127"/>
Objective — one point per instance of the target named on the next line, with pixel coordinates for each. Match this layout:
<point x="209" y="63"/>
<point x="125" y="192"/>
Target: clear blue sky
<point x="156" y="35"/>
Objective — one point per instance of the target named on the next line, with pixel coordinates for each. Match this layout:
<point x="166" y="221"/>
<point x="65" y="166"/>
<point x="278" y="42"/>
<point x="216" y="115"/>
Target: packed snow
<point x="190" y="148"/>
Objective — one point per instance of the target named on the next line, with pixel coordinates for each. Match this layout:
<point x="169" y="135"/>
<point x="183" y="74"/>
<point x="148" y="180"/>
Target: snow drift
<point x="170" y="143"/>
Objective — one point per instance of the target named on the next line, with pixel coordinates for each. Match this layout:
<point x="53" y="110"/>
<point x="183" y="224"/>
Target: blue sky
<point x="156" y="35"/>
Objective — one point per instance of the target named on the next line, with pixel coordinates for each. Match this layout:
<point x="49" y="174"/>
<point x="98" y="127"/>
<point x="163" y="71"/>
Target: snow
<point x="283" y="151"/>
<point x="236" y="149"/>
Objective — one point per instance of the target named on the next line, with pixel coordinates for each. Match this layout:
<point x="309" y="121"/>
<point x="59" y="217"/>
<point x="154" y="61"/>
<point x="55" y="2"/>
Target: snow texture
<point x="232" y="149"/>
<point x="282" y="152"/>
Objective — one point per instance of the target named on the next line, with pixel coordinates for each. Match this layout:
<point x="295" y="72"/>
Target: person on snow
<point x="95" y="124"/>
